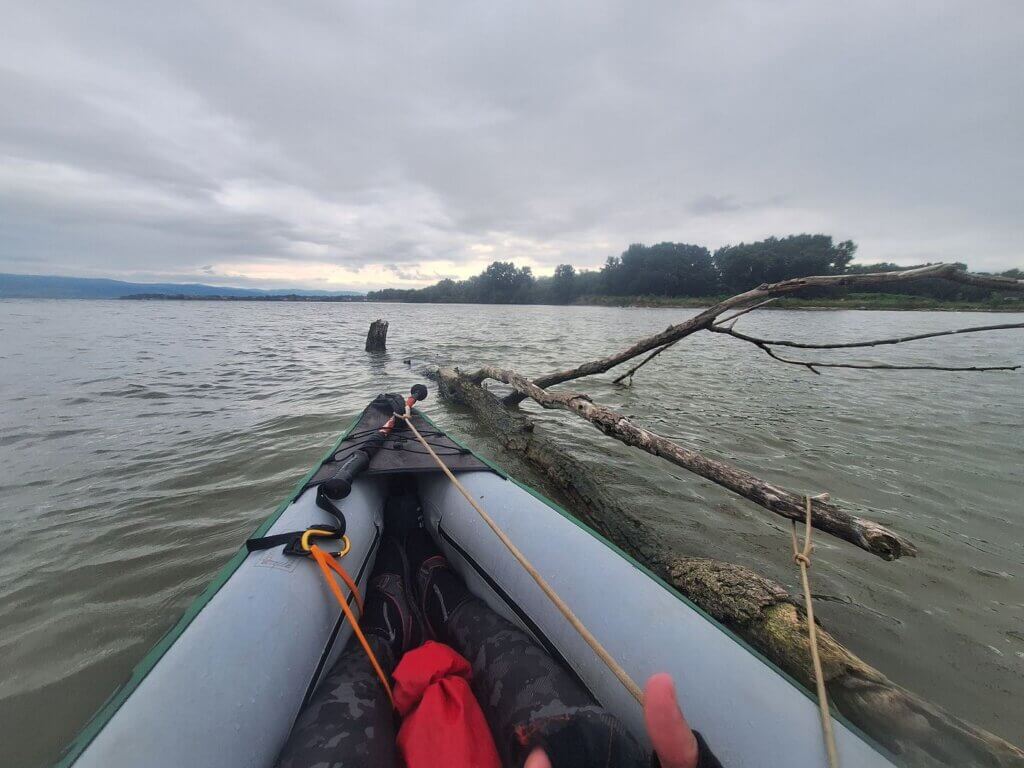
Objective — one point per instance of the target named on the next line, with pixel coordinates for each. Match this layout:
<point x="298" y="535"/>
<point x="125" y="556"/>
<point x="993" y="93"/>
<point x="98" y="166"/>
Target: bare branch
<point x="717" y="328"/>
<point x="742" y="312"/>
<point x="812" y="365"/>
<point x="827" y="517"/>
<point x="629" y="374"/>
<point x="995" y="282"/>
<point x="705" y="318"/>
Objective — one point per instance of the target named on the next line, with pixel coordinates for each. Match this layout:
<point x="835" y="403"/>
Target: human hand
<point x="670" y="734"/>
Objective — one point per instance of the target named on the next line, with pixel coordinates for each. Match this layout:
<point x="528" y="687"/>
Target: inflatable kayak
<point x="224" y="686"/>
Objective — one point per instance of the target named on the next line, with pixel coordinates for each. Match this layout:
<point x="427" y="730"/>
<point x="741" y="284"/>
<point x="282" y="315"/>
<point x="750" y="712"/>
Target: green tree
<point x="563" y="284"/>
<point x="747" y="265"/>
<point x="665" y="269"/>
<point x="503" y="283"/>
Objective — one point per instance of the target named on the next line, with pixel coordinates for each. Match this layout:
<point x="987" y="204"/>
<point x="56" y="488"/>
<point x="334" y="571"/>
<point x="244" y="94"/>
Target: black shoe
<point x="437" y="588"/>
<point x="390" y="612"/>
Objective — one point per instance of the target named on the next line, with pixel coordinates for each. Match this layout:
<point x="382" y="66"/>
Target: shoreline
<point x="859" y="303"/>
<point x="904" y="304"/>
<point x="883" y="302"/>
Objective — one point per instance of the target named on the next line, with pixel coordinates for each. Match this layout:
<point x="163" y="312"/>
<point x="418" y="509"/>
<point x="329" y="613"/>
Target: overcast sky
<point x="356" y="145"/>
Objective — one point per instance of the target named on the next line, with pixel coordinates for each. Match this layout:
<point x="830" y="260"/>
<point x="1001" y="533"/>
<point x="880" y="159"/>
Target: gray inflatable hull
<point x="225" y="686"/>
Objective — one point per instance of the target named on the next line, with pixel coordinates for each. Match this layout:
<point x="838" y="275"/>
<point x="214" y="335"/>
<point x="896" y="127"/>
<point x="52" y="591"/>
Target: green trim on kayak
<point x="119" y="696"/>
<point x="671" y="590"/>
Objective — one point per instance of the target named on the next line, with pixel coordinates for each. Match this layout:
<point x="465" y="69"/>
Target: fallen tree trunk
<point x="760" y="611"/>
<point x="828" y="517"/>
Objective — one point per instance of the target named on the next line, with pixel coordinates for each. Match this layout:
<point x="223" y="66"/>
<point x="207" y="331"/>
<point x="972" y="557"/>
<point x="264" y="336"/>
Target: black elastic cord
<point x="292" y="539"/>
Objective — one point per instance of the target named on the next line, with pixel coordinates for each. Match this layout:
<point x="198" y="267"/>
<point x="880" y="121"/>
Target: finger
<point x="670" y="734"/>
<point x="537" y="759"/>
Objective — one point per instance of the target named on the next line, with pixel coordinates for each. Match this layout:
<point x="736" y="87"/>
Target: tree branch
<point x="629" y="374"/>
<point x="995" y="282"/>
<point x="718" y="328"/>
<point x="708" y="316"/>
<point x="765" y="345"/>
<point x="827" y="517"/>
<point x="742" y="312"/>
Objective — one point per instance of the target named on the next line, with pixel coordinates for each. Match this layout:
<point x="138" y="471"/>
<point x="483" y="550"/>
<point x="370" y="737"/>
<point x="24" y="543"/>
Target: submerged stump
<point x="377" y="337"/>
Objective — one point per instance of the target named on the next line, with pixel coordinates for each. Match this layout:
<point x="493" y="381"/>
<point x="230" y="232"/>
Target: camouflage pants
<point x="349" y="721"/>
<point x="527" y="698"/>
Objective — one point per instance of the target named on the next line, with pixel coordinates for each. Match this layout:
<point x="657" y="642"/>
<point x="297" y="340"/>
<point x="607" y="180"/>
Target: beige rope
<point x="802" y="557"/>
<point x="560" y="604"/>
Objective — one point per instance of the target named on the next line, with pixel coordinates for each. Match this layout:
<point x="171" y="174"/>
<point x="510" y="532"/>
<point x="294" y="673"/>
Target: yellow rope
<point x="560" y="604"/>
<point x="802" y="557"/>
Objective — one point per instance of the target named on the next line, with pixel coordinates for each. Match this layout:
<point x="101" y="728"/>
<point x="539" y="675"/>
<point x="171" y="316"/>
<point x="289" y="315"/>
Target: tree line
<point x="673" y="270"/>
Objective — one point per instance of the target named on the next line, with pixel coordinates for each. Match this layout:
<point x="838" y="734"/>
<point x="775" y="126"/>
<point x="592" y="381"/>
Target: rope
<point x="328" y="564"/>
<point x="560" y="604"/>
<point x="802" y="557"/>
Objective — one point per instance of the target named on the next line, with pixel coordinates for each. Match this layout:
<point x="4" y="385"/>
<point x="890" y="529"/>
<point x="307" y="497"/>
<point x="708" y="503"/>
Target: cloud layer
<point x="339" y="144"/>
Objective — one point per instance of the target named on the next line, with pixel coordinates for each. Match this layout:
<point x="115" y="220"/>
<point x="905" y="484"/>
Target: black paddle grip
<point x="340" y="486"/>
<point x="353" y="465"/>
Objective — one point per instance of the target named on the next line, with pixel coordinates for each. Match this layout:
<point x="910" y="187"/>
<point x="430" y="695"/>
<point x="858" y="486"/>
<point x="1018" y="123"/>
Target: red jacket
<point x="442" y="724"/>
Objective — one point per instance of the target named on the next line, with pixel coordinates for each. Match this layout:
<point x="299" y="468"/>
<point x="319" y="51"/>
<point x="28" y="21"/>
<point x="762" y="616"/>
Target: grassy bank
<point x="889" y="301"/>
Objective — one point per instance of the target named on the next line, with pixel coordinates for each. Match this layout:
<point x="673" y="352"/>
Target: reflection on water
<point x="142" y="441"/>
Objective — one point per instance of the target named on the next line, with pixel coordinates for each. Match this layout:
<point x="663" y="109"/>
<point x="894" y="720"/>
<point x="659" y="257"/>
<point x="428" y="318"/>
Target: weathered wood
<point x="377" y="337"/>
<point x="707" y="317"/>
<point x="718" y="328"/>
<point x="760" y="611"/>
<point x="629" y="374"/>
<point x="765" y="345"/>
<point x="828" y="517"/>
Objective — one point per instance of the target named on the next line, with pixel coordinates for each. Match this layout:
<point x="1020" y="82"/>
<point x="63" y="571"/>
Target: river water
<point x="140" y="442"/>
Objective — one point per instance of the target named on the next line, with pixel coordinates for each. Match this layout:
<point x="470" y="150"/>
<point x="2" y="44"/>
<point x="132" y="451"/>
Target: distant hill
<point x="53" y="287"/>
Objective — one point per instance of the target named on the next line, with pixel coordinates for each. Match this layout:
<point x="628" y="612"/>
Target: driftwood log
<point x="377" y="336"/>
<point x="919" y="734"/>
<point x="827" y="516"/>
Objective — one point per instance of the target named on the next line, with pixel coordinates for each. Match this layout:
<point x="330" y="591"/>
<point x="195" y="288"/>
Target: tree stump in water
<point x="376" y="339"/>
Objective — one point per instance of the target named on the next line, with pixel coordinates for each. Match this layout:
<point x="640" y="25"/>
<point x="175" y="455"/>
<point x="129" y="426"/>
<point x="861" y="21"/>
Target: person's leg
<point x="349" y="720"/>
<point x="527" y="697"/>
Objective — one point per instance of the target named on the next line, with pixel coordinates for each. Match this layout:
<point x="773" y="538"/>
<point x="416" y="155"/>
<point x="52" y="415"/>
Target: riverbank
<point x="876" y="301"/>
<point x="866" y="301"/>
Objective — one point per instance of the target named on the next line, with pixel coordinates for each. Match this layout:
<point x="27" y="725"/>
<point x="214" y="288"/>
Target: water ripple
<point x="132" y="475"/>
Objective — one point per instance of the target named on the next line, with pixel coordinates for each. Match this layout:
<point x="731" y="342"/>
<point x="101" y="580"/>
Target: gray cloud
<point x="368" y="145"/>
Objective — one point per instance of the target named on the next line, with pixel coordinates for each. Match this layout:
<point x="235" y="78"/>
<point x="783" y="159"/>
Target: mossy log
<point x="918" y="733"/>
